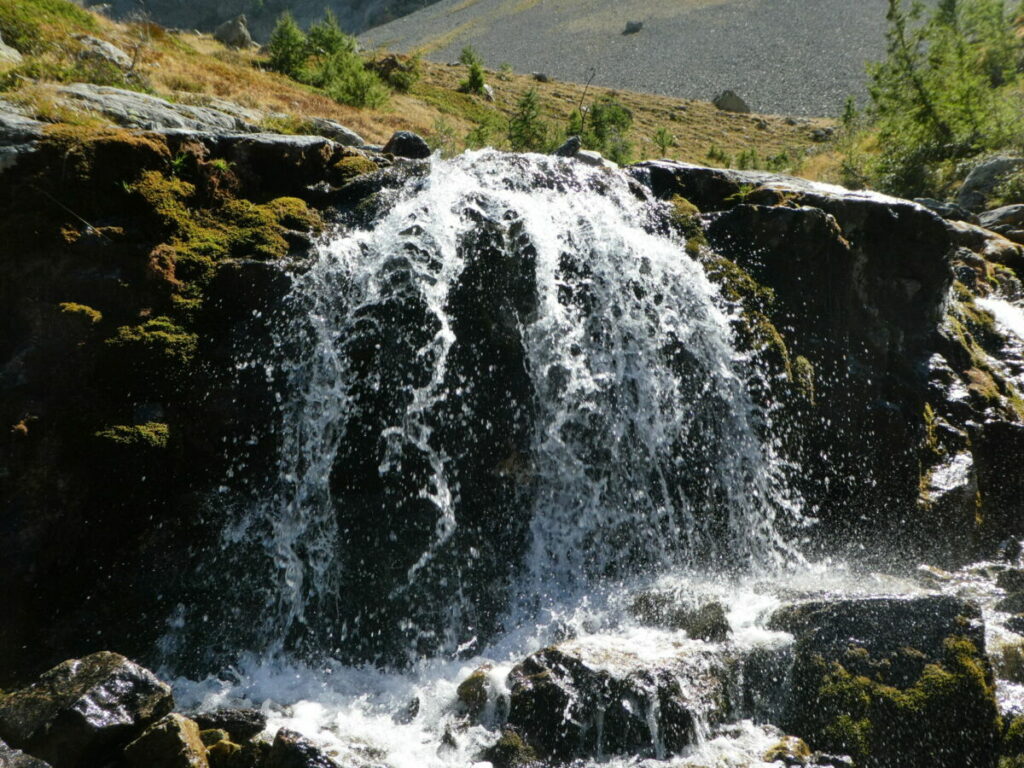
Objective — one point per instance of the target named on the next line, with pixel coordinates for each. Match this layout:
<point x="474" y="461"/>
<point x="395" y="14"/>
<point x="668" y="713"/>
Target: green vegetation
<point x="604" y="127"/>
<point x="325" y="58"/>
<point x="35" y="26"/>
<point x="875" y="709"/>
<point x="152" y="434"/>
<point x="949" y="90"/>
<point x="526" y="131"/>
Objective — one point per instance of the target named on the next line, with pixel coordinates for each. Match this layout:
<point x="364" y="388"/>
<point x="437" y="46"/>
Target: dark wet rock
<point x="94" y="49"/>
<point x="632" y="27"/>
<point x="892" y="681"/>
<point x="83" y="709"/>
<point x="241" y="724"/>
<point x="541" y="77"/>
<point x="171" y="742"/>
<point x="984" y="178"/>
<point x="1012" y="580"/>
<point x="1013" y="603"/>
<point x="234" y="33"/>
<point x="729" y="101"/>
<point x="950" y="211"/>
<point x="998" y="449"/>
<point x="132" y="109"/>
<point x="1015" y="624"/>
<point x="336" y="132"/>
<point x="15" y="758"/>
<point x="701" y="621"/>
<point x="407" y="144"/>
<point x="579" y="700"/>
<point x="569" y="148"/>
<point x="292" y="750"/>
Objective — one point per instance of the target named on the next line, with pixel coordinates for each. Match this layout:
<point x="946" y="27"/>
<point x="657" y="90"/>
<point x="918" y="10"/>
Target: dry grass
<point x="191" y="67"/>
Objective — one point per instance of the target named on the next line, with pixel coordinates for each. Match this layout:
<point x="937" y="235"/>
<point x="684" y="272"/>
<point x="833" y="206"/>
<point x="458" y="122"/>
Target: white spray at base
<point x="635" y="382"/>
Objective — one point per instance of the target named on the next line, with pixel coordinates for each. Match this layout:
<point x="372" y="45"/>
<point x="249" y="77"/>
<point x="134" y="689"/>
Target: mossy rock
<point x="789" y="750"/>
<point x="472" y="692"/>
<point x="510" y="751"/>
<point x="348" y="168"/>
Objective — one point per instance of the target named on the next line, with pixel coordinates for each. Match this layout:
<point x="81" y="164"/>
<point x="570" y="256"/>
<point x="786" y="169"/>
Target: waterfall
<point x="512" y="388"/>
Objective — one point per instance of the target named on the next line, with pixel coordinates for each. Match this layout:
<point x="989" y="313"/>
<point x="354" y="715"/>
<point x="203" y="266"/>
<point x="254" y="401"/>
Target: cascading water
<point x="510" y="395"/>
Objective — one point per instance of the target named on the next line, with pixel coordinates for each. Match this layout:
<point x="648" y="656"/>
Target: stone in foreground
<point x="407" y="144"/>
<point x="83" y="709"/>
<point x="292" y="750"/>
<point x="172" y="742"/>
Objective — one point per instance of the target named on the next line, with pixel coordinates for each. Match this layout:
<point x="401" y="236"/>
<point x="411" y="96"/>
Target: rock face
<point x="889" y="681"/>
<point x="240" y="724"/>
<point x="139" y="110"/>
<point x="336" y="132"/>
<point x="234" y="33"/>
<point x="82" y="709"/>
<point x="729" y="101"/>
<point x="100" y="50"/>
<point x="579" y="700"/>
<point x="983" y="179"/>
<point x="171" y="742"/>
<point x="848" y="296"/>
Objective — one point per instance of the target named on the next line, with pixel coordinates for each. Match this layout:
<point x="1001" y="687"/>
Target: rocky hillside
<point x="355" y="15"/>
<point x="782" y="56"/>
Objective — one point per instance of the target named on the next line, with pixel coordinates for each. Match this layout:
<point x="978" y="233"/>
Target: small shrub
<point x="442" y="137"/>
<point x="287" y="47"/>
<point x="526" y="131"/>
<point x="663" y="140"/>
<point x="469" y="57"/>
<point x="479" y="137"/>
<point x="474" y="82"/>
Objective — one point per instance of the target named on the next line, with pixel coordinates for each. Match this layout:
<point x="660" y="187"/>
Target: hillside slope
<point x="782" y="56"/>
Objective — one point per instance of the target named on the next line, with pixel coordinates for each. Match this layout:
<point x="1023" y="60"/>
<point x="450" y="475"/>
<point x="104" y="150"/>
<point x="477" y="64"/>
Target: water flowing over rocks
<point x="498" y="458"/>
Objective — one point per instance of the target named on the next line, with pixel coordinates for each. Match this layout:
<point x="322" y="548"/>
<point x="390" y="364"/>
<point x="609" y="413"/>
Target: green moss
<point x="81" y="312"/>
<point x="472" y="692"/>
<point x="789" y="750"/>
<point x="510" y="751"/>
<point x="158" y="341"/>
<point x="293" y="213"/>
<point x="685" y="217"/>
<point x="150" y="435"/>
<point x="354" y="165"/>
<point x="803" y="377"/>
<point x="864" y="709"/>
<point x="756" y="301"/>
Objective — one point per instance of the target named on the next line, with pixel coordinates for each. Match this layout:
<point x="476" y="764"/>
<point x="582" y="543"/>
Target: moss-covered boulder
<point x="171" y="742"/>
<point x="893" y="682"/>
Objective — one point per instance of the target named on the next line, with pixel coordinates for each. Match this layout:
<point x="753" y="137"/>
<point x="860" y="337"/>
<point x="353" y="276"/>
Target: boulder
<point x="293" y="750"/>
<point x="17" y="136"/>
<point x="407" y="144"/>
<point x="1007" y="216"/>
<point x="632" y="27"/>
<point x="94" y="49"/>
<point x="602" y="697"/>
<point x="240" y="724"/>
<point x="14" y="758"/>
<point x="172" y="742"/>
<point x="336" y="132"/>
<point x="595" y="159"/>
<point x="950" y="211"/>
<point x="131" y="109"/>
<point x="984" y="178"/>
<point x="541" y="77"/>
<point x="892" y="681"/>
<point x="9" y="55"/>
<point x="729" y="101"/>
<point x="569" y="148"/>
<point x="83" y="709"/>
<point x="488" y="92"/>
<point x="705" y="621"/>
<point x="234" y="33"/>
